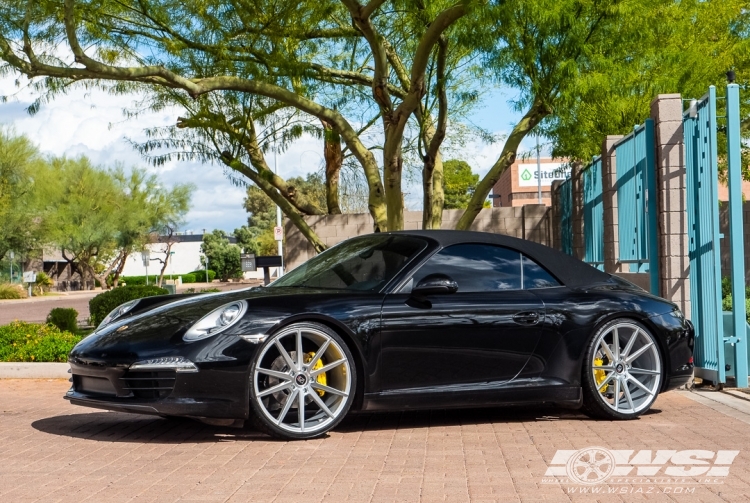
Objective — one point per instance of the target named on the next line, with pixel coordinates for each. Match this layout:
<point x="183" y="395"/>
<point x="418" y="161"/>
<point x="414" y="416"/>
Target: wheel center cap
<point x="619" y="368"/>
<point x="300" y="379"/>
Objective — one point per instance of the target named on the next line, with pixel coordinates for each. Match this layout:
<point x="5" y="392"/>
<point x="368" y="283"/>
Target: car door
<point x="479" y="337"/>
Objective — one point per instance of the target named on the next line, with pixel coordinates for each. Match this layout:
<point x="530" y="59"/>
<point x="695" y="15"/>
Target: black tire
<point x="258" y="416"/>
<point x="595" y="405"/>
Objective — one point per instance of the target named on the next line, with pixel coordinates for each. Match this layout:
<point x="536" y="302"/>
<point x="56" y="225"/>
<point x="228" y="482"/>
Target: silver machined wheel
<point x="626" y="368"/>
<point x="302" y="380"/>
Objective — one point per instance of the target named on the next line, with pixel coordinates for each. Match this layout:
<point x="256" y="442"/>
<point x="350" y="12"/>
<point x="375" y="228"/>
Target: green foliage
<point x="726" y="296"/>
<point x="101" y="305"/>
<point x="43" y="283"/>
<point x="459" y="183"/>
<point x="32" y="342"/>
<point x="64" y="318"/>
<point x="8" y="291"/>
<point x="21" y="228"/>
<point x="654" y="47"/>
<point x="223" y="256"/>
<point x="726" y="304"/>
<point x="153" y="279"/>
<point x="200" y="276"/>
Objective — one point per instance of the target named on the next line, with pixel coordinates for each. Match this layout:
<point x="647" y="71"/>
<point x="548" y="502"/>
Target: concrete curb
<point x="33" y="370"/>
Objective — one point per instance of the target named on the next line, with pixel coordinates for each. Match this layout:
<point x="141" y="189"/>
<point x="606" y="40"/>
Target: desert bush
<point x="101" y="305"/>
<point x="43" y="284"/>
<point x="64" y="318"/>
<point x="34" y="342"/>
<point x="8" y="291"/>
<point x="200" y="276"/>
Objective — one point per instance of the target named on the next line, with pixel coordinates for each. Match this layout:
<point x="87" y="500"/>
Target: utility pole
<point x="538" y="172"/>
<point x="278" y="208"/>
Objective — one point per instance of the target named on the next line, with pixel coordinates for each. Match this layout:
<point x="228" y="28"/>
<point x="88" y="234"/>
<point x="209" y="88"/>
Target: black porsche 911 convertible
<point x="392" y="321"/>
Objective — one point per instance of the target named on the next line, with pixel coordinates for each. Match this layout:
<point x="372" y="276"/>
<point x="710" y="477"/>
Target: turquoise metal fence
<point x="566" y="216"/>
<point x="699" y="126"/>
<point x="738" y="337"/>
<point x="593" y="214"/>
<point x="720" y="337"/>
<point x="636" y="211"/>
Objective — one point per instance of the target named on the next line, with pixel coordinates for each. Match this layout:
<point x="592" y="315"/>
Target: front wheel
<point x="622" y="371"/>
<point x="303" y="382"/>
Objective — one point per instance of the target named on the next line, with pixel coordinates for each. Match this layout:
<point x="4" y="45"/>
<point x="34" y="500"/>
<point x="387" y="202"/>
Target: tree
<point x="275" y="57"/>
<point x="391" y="71"/>
<point x="664" y="49"/>
<point x="223" y="256"/>
<point x="460" y="183"/>
<point x="21" y="229"/>
<point x="82" y="209"/>
<point x="99" y="217"/>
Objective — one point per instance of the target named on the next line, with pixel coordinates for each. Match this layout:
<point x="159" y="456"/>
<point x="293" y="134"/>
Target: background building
<point x="519" y="184"/>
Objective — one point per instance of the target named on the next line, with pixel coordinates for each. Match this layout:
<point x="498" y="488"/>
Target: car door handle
<point x="526" y="318"/>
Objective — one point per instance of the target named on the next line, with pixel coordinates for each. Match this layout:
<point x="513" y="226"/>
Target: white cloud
<point x="91" y="123"/>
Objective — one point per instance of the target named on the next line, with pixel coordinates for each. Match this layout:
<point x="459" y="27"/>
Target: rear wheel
<point x="622" y="371"/>
<point x="303" y="381"/>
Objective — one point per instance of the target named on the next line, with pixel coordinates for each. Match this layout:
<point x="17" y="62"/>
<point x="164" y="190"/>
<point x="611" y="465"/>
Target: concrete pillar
<point x="609" y="202"/>
<point x="576" y="171"/>
<point x="674" y="264"/>
<point x="555" y="216"/>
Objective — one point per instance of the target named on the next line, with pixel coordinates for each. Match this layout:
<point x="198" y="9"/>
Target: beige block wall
<point x="527" y="222"/>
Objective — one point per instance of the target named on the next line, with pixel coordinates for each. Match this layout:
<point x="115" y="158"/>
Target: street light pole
<point x="278" y="208"/>
<point x="538" y="172"/>
<point x="12" y="256"/>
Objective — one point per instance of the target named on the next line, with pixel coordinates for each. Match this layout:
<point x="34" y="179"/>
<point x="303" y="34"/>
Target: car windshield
<point x="364" y="263"/>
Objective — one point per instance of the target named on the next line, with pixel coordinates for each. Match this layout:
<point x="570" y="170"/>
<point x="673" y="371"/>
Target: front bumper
<point x="218" y="392"/>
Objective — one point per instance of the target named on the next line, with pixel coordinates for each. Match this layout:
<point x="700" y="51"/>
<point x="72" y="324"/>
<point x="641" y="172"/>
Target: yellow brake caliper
<point x="600" y="375"/>
<point x="321" y="379"/>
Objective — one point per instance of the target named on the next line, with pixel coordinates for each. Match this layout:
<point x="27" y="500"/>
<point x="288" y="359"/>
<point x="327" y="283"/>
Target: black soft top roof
<point x="570" y="271"/>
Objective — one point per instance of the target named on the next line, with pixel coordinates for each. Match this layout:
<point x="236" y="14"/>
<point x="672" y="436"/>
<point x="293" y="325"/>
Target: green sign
<point x="526" y="175"/>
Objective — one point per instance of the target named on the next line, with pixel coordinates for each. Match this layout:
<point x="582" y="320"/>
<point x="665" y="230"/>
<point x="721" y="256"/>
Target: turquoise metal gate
<point x="566" y="216"/>
<point x="593" y="214"/>
<point x="636" y="202"/>
<point x="716" y="334"/>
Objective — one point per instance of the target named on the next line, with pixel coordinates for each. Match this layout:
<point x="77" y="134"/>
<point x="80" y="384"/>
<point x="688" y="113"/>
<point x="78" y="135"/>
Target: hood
<point x="161" y="322"/>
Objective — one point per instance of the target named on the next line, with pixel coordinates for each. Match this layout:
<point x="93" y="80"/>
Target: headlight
<point x="118" y="312"/>
<point x="216" y="321"/>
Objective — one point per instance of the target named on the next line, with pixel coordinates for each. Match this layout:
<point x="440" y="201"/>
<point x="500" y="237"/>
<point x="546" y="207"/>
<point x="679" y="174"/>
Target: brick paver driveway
<point x="52" y="451"/>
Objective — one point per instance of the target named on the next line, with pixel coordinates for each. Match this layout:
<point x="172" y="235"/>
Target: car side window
<point x="535" y="276"/>
<point x="475" y="267"/>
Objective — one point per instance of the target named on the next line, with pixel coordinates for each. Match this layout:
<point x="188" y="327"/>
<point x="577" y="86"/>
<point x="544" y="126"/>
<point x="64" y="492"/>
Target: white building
<point x="186" y="257"/>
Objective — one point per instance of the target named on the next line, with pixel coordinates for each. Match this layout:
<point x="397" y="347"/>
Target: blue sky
<point x="92" y="123"/>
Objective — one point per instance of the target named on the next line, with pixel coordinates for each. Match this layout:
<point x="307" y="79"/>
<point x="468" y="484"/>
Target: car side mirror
<point x="434" y="284"/>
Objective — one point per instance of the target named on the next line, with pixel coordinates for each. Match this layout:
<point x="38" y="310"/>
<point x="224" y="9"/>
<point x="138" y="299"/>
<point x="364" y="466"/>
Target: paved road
<point x="36" y="309"/>
<point x="55" y="452"/>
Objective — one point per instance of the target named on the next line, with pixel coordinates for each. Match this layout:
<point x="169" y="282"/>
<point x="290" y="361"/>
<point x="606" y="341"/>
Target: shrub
<point x="33" y="342"/>
<point x="138" y="280"/>
<point x="200" y="276"/>
<point x="188" y="278"/>
<point x="43" y="284"/>
<point x="64" y="318"/>
<point x="726" y="305"/>
<point x="153" y="280"/>
<point x="101" y="305"/>
<point x="8" y="291"/>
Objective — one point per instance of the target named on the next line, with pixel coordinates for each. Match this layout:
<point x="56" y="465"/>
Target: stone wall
<point x="531" y="222"/>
